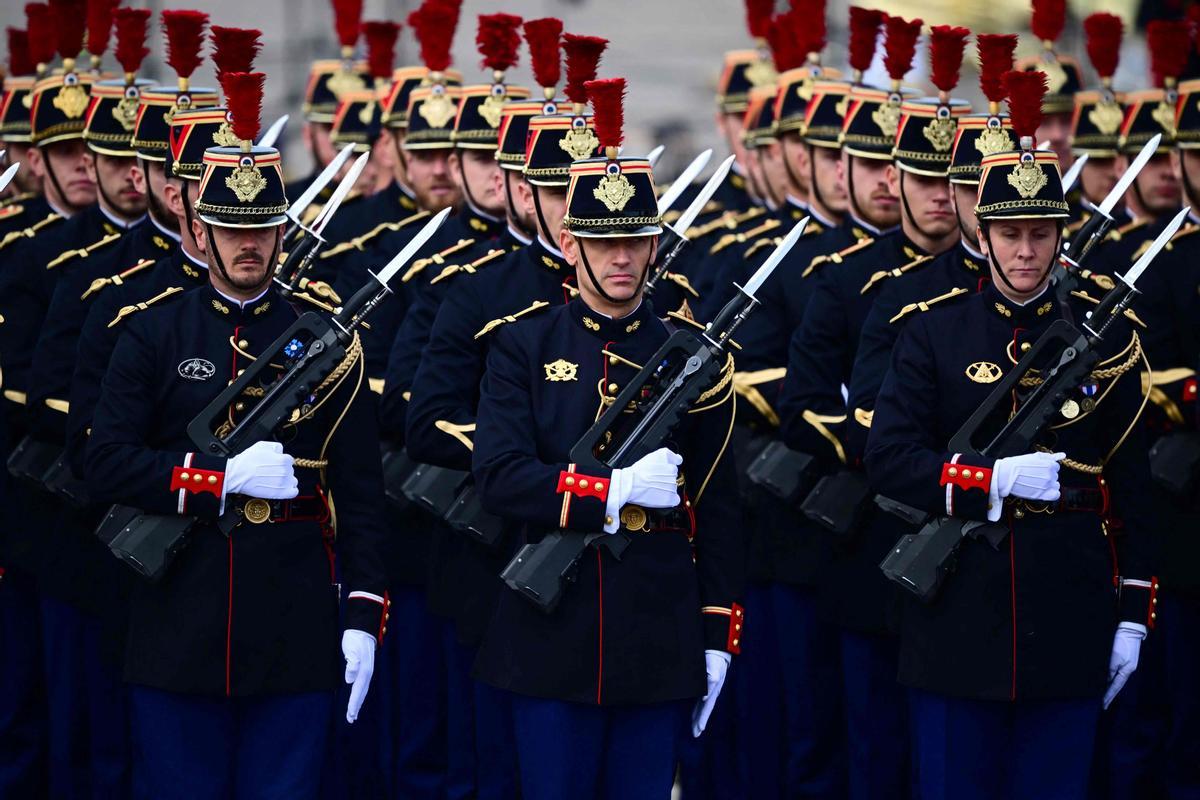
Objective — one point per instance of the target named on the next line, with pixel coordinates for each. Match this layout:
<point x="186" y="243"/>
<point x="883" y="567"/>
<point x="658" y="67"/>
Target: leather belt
<point x="300" y="509"/>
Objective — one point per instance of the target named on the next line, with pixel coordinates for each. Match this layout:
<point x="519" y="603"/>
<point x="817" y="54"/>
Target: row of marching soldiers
<point x="742" y="639"/>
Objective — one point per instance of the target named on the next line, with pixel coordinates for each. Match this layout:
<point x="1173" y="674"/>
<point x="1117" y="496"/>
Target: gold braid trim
<point x="746" y="383"/>
<point x="818" y="421"/>
<point x="1134" y="350"/>
<point x="459" y="432"/>
<point x="438" y="258"/>
<point x="726" y="379"/>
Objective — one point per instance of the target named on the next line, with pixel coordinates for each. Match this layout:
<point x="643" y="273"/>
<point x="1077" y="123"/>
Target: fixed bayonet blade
<point x="8" y="175"/>
<point x="654" y="155"/>
<point x="272" y="135"/>
<point x="1068" y="181"/>
<point x="760" y="277"/>
<point x="296" y="210"/>
<point x="1130" y="175"/>
<point x="339" y="194"/>
<point x="671" y="195"/>
<point x="1160" y="241"/>
<point x="415" y="244"/>
<point x="689" y="215"/>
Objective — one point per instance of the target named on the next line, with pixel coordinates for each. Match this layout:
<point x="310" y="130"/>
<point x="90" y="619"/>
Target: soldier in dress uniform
<point x="218" y="705"/>
<point x="1063" y="74"/>
<point x="25" y="200"/>
<point x="1008" y="663"/>
<point x="601" y="686"/>
<point x="813" y="413"/>
<point x="328" y="80"/>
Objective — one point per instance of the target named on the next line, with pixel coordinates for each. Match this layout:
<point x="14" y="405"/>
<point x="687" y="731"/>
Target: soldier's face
<point x="797" y="158"/>
<point x="866" y="179"/>
<point x="430" y="180"/>
<point x="1098" y="177"/>
<point x="150" y="178"/>
<point x="1189" y="165"/>
<point x="618" y="264"/>
<point x="245" y="252"/>
<point x="18" y="153"/>
<point x="1158" y="185"/>
<point x="477" y="174"/>
<point x="1024" y="249"/>
<point x="68" y="163"/>
<point x="965" y="198"/>
<point x="522" y="199"/>
<point x="928" y="201"/>
<point x="731" y="128"/>
<point x="116" y="179"/>
<point x="381" y="165"/>
<point x="828" y="188"/>
<point x="776" y="180"/>
<point x="1056" y="129"/>
<point x="319" y="141"/>
<point x="553" y="200"/>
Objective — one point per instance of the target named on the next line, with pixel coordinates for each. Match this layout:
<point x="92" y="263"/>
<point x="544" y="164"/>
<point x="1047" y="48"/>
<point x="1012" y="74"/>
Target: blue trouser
<point x="876" y="718"/>
<point x="89" y="734"/>
<point x="740" y="752"/>
<point x="216" y="748"/>
<point x="987" y="750"/>
<point x="1181" y="637"/>
<point x="23" y="722"/>
<point x="585" y="752"/>
<point x="483" y="759"/>
<point x="808" y="660"/>
<point x="408" y="693"/>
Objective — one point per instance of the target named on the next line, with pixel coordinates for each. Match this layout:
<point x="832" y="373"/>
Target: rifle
<point x="639" y="421"/>
<point x="920" y="562"/>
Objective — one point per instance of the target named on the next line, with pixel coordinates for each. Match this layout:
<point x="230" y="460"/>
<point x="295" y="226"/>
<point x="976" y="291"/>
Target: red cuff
<point x="196" y="481"/>
<point x="736" y="620"/>
<point x="1189" y="390"/>
<point x="966" y="477"/>
<point x="582" y="485"/>
<point x="1152" y="615"/>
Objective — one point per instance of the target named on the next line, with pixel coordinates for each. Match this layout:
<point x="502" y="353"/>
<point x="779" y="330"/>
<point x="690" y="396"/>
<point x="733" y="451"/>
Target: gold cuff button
<point x="953" y="472"/>
<point x="570" y="481"/>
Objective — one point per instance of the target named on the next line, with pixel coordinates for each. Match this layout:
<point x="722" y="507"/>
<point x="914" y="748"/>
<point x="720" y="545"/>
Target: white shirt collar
<point x="243" y="303"/>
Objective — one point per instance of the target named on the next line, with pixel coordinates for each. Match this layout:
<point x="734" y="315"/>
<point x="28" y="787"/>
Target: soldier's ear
<point x="200" y="235"/>
<point x="36" y="165"/>
<point x="569" y="246"/>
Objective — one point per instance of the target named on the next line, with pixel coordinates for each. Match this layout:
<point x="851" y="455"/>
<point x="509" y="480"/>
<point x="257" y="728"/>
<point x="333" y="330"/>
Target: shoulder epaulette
<point x="320" y="289"/>
<point x="468" y="269"/>
<point x="1186" y="230"/>
<point x="711" y="207"/>
<point x="142" y="306"/>
<point x="924" y="305"/>
<point x="744" y="236"/>
<point x="1116" y="234"/>
<point x="11" y="210"/>
<point x="685" y="318"/>
<point x="538" y="305"/>
<point x="884" y="274"/>
<point x="438" y="258"/>
<point x="83" y="252"/>
<point x="1129" y="312"/>
<point x="730" y="220"/>
<point x="17" y="199"/>
<point x="358" y="241"/>
<point x="836" y="258"/>
<point x="761" y="243"/>
<point x="31" y="231"/>
<point x="1101" y="280"/>
<point x="682" y="282"/>
<point x="116" y="280"/>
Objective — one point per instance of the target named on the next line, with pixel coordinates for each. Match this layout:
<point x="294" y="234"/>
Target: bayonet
<point x="272" y="135"/>
<point x="1068" y="181"/>
<point x="674" y="240"/>
<point x="303" y="254"/>
<point x="9" y="174"/>
<point x="676" y="189"/>
<point x="654" y="155"/>
<point x="300" y="204"/>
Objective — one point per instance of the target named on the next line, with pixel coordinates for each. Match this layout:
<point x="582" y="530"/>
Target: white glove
<point x="261" y="470"/>
<point x="1127" y="645"/>
<point x="650" y="482"/>
<point x="716" y="664"/>
<point x="359" y="649"/>
<point x="1033" y="476"/>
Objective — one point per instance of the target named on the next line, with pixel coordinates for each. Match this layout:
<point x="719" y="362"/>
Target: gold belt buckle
<point x="634" y="517"/>
<point x="257" y="510"/>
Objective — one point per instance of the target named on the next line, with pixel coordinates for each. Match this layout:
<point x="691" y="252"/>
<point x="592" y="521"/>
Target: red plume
<point x="583" y="60"/>
<point x="864" y="35"/>
<point x="434" y="23"/>
<point x="381" y="47"/>
<point x="995" y="59"/>
<point x="1104" y="42"/>
<point x="69" y="17"/>
<point x="1170" y="44"/>
<point x="809" y="25"/>
<point x="243" y="97"/>
<point x="1025" y="92"/>
<point x="900" y="46"/>
<point x="946" y="46"/>
<point x="608" y="107"/>
<point x="498" y="39"/>
<point x="131" y="37"/>
<point x="785" y="43"/>
<point x="1049" y="17"/>
<point x="40" y="29"/>
<point x="185" y="36"/>
<point x="99" y="24"/>
<point x="543" y="37"/>
<point x="234" y="49"/>
<point x="19" y="60"/>
<point x="347" y="18"/>
<point x="758" y="17"/>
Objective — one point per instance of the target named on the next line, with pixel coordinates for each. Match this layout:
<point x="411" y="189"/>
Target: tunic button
<point x="612" y="387"/>
<point x="608" y="520"/>
<point x="242" y="343"/>
<point x="612" y="359"/>
<point x="239" y="407"/>
<point x="1026" y="347"/>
